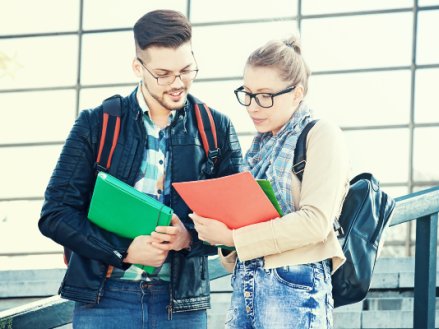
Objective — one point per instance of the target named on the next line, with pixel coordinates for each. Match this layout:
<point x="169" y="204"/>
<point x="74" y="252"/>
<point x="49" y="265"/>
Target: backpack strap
<point x="207" y="130"/>
<point x="300" y="151"/>
<point x="112" y="108"/>
<point x="300" y="163"/>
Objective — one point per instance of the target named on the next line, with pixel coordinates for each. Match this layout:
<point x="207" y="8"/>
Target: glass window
<point x="428" y="2"/>
<point x="26" y="170"/>
<point x="426" y="160"/>
<point x="428" y="47"/>
<point x="92" y="97"/>
<point x="231" y="46"/>
<point x="16" y="215"/>
<point x="38" y="62"/>
<point x="426" y="100"/>
<point x="357" y="42"/>
<point x="23" y="17"/>
<point x="395" y="191"/>
<point x="107" y="58"/>
<point x="340" y="6"/>
<point x="219" y="95"/>
<point x="100" y="14"/>
<point x="383" y="152"/>
<point x="229" y="10"/>
<point x="361" y="99"/>
<point x="37" y="116"/>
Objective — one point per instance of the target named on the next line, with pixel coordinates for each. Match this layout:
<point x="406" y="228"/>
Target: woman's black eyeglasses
<point x="265" y="100"/>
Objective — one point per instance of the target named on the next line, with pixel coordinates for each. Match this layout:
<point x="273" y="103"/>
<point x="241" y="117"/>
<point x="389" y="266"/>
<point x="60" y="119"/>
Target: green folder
<point x="268" y="190"/>
<point x="121" y="209"/>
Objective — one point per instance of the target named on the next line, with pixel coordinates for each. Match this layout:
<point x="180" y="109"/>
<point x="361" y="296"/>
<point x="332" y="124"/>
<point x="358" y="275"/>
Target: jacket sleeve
<point x="324" y="186"/>
<point x="68" y="194"/>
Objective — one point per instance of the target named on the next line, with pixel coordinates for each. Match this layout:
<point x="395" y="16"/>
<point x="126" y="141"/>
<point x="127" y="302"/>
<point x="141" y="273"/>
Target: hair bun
<point x="293" y="43"/>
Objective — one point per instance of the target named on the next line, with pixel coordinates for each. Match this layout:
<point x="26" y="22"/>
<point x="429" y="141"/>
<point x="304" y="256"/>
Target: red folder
<point x="236" y="200"/>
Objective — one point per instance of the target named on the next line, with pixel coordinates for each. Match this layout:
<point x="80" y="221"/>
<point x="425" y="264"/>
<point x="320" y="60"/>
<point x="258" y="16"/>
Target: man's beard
<point x="169" y="105"/>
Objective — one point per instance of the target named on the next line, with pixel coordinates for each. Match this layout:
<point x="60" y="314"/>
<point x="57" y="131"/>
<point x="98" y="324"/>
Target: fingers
<point x="161" y="237"/>
<point x="163" y="246"/>
<point x="167" y="229"/>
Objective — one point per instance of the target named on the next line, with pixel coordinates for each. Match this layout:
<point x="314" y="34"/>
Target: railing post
<point x="424" y="309"/>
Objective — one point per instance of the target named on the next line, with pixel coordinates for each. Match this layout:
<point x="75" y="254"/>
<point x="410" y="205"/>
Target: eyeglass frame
<point x="169" y="75"/>
<point x="254" y="95"/>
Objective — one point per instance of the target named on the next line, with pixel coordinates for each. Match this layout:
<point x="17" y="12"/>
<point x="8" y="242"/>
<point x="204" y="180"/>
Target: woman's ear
<point x="298" y="94"/>
<point x="137" y="68"/>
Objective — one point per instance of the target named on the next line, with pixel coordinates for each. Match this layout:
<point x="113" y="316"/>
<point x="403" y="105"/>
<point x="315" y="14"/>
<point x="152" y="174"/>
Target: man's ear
<point x="137" y="68"/>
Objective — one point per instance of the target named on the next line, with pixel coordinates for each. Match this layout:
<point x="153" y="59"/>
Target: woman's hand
<point x="212" y="231"/>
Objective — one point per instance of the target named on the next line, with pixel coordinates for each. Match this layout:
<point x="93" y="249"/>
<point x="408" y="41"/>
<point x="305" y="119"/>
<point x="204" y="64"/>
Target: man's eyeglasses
<point x="166" y="80"/>
<point x="265" y="100"/>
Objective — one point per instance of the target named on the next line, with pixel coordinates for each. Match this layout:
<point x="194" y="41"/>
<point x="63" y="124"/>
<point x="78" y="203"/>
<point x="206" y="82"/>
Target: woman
<point x="282" y="267"/>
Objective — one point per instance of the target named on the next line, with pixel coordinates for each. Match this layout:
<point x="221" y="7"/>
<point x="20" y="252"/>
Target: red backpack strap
<point x="207" y="130"/>
<point x="110" y="132"/>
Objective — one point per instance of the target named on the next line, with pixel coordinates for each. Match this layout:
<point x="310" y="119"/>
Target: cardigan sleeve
<point x="324" y="186"/>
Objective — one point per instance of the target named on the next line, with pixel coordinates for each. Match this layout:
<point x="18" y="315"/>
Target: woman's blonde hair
<point x="286" y="57"/>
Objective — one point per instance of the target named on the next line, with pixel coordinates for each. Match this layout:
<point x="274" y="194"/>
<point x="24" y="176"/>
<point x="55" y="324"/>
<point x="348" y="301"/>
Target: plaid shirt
<point x="152" y="179"/>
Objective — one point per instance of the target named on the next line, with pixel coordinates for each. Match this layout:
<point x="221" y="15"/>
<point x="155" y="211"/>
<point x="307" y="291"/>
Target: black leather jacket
<point x="67" y="198"/>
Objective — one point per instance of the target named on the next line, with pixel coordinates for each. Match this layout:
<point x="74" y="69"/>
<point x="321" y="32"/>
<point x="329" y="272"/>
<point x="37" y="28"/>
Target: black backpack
<point x="366" y="212"/>
<point x="112" y="108"/>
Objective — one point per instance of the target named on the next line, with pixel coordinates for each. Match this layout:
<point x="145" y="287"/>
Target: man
<point x="159" y="143"/>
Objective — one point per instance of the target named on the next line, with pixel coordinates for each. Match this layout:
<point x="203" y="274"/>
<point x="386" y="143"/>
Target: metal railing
<point x="422" y="206"/>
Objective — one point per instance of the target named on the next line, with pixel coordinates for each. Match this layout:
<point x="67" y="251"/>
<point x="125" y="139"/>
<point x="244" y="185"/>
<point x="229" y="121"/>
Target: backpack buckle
<point x="301" y="167"/>
<point x="212" y="157"/>
<point x="338" y="229"/>
<point x="100" y="168"/>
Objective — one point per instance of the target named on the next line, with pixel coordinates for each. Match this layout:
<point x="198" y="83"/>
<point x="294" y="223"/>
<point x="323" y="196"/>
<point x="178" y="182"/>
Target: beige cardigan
<point x="306" y="235"/>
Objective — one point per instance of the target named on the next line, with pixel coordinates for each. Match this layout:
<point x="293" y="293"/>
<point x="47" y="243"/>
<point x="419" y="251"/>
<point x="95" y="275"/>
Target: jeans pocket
<point x="296" y="276"/>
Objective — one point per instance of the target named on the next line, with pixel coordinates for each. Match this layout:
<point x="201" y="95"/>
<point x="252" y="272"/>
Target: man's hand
<point x="141" y="251"/>
<point x="175" y="237"/>
<point x="213" y="231"/>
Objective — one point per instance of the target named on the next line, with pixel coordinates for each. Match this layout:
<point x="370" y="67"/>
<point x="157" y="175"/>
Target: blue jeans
<point x="290" y="297"/>
<point x="134" y="305"/>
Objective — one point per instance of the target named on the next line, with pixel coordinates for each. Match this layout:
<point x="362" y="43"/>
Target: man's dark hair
<point x="165" y="28"/>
